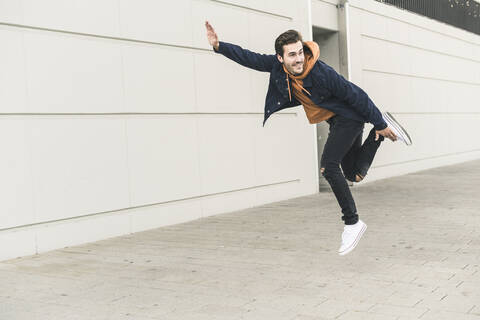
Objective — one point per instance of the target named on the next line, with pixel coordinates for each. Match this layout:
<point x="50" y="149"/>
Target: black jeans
<point x="344" y="147"/>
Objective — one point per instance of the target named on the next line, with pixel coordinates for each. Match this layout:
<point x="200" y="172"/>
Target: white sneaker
<point x="351" y="236"/>
<point x="399" y="131"/>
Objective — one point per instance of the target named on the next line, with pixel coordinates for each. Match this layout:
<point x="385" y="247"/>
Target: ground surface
<point x="419" y="258"/>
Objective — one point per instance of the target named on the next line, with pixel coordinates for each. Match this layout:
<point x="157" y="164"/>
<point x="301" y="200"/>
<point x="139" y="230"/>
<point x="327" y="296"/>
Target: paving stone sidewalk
<point x="419" y="259"/>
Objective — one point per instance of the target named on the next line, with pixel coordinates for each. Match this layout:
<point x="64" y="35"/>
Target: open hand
<point x="387" y="133"/>
<point x="212" y="35"/>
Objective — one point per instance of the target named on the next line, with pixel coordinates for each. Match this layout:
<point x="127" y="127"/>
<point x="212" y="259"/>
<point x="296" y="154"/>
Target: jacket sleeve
<point x="354" y="96"/>
<point x="247" y="58"/>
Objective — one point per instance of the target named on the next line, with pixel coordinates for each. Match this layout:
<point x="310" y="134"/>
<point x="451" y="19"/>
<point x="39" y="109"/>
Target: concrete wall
<point x="121" y="118"/>
<point x="116" y="117"/>
<point x="325" y="14"/>
<point x="427" y="74"/>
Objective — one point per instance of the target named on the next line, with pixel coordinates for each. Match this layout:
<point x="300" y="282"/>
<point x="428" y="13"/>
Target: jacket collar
<point x="279" y="76"/>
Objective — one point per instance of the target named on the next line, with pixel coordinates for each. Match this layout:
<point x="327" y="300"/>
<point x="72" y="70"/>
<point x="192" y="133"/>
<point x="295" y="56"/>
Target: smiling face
<point x="293" y="57"/>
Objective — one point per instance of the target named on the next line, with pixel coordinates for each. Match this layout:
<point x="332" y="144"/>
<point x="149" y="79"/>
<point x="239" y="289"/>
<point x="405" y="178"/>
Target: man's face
<point x="293" y="57"/>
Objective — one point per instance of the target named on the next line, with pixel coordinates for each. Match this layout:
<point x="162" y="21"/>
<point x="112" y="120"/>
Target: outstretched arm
<point x="247" y="58"/>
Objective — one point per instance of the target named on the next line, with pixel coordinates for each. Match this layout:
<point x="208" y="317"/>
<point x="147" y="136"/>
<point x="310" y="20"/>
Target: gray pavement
<point x="419" y="259"/>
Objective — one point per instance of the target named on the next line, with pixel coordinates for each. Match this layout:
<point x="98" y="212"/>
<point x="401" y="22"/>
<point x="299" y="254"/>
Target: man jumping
<point x="298" y="77"/>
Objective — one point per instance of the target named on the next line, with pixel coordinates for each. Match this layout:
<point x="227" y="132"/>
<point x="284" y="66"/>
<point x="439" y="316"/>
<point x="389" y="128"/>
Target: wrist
<point x="380" y="127"/>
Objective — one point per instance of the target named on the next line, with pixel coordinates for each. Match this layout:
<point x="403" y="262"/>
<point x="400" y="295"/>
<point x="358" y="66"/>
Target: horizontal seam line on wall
<point x="252" y="9"/>
<point x="420" y="77"/>
<point x="426" y="158"/>
<point x="146" y="205"/>
<point x="421" y="27"/>
<point x="91" y="35"/>
<point x="420" y="48"/>
<point x="328" y="2"/>
<point x="146" y="114"/>
<point x="430" y="113"/>
<point x="137" y="40"/>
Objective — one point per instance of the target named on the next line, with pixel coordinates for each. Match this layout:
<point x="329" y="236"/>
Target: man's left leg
<point x="359" y="158"/>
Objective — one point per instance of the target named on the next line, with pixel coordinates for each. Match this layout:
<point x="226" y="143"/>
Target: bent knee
<point x="330" y="171"/>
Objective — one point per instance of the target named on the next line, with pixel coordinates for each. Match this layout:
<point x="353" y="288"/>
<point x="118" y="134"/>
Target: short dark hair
<point x="288" y="37"/>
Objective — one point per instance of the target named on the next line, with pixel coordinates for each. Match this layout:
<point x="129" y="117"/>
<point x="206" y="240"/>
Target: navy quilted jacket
<point x="328" y="89"/>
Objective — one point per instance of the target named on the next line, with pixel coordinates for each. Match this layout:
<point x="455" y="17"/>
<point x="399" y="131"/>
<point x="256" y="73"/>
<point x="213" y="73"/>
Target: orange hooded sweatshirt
<point x="315" y="114"/>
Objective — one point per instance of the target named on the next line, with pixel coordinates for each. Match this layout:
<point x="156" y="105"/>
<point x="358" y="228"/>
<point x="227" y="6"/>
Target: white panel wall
<point x="325" y="14"/>
<point x="116" y="116"/>
<point x="427" y="74"/>
<point x="72" y="74"/>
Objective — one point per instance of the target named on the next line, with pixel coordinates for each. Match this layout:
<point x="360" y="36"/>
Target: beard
<point x="292" y="69"/>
